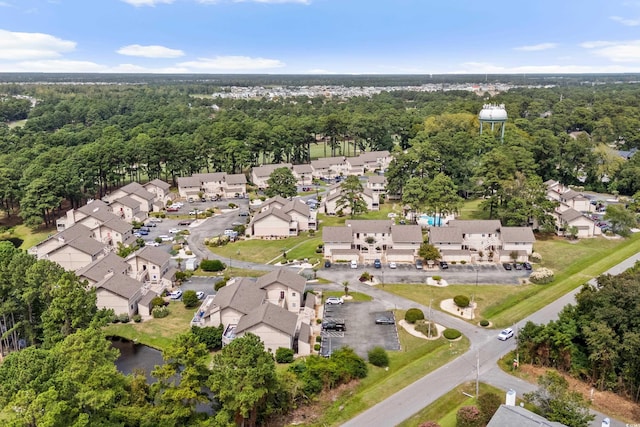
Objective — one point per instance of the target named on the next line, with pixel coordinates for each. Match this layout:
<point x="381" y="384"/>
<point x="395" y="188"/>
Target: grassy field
<point x="444" y="409"/>
<point x="471" y="210"/>
<point x="156" y="333"/>
<point x="417" y="358"/>
<point x="29" y="236"/>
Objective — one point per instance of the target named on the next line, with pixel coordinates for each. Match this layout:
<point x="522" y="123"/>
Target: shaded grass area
<point x="471" y="210"/>
<point x="263" y="251"/>
<point x="156" y="333"/>
<point x="417" y="358"/>
<point x="30" y="237"/>
<point x="444" y="409"/>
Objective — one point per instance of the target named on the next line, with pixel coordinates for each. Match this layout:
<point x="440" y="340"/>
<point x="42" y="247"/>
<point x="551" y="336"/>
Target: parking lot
<point x="362" y="334"/>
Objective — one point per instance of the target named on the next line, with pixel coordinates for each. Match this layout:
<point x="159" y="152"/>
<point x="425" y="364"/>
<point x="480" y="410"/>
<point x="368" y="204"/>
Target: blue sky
<point x="320" y="36"/>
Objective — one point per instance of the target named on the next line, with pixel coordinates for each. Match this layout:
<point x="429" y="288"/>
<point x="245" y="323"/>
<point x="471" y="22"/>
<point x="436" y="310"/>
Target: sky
<point x="320" y="36"/>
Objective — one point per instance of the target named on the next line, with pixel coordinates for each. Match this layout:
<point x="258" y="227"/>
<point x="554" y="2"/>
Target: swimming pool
<point x="430" y="220"/>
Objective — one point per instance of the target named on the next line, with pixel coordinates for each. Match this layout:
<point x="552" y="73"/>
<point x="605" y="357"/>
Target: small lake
<point x="136" y="356"/>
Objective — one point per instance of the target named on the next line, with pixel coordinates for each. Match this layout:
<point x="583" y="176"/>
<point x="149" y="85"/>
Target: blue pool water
<point x="431" y="220"/>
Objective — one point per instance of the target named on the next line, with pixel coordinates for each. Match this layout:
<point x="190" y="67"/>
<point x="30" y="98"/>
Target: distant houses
<point x="574" y="211"/>
<point x="212" y="185"/>
<point x="279" y="217"/>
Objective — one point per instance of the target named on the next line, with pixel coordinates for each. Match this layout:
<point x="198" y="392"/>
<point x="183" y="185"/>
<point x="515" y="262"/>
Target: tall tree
<point x="442" y="196"/>
<point x="281" y="183"/>
<point x="351" y="196"/>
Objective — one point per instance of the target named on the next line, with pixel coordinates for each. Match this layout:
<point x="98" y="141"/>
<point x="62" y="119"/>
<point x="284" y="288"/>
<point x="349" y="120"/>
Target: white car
<point x="505" y="334"/>
<point x="200" y="294"/>
<point x="354" y="264"/>
<point x="175" y="294"/>
<point x="393" y="265"/>
<point x="165" y="238"/>
<point x="154" y="219"/>
<point x="174" y="230"/>
<point x="151" y="243"/>
<point x="195" y="212"/>
<point x="334" y="300"/>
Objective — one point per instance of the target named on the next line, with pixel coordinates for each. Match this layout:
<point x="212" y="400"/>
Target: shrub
<point x="160" y="312"/>
<point x="542" y="276"/>
<point x="463" y="262"/>
<point x="188" y="252"/>
<point x="437" y="278"/>
<point x="461" y="301"/>
<point x="284" y="355"/>
<point x="15" y="241"/>
<point x="484" y="323"/>
<point x="452" y="334"/>
<point x="157" y="302"/>
<point x="209" y="336"/>
<point x="212" y="265"/>
<point x="453" y="262"/>
<point x="413" y="315"/>
<point x="378" y="357"/>
<point x="468" y="416"/>
<point x="429" y="424"/>
<point x="366" y="276"/>
<point x="219" y="285"/>
<point x="137" y="318"/>
<point x="316" y="347"/>
<point x="425" y="327"/>
<point x="318" y="321"/>
<point x="488" y="404"/>
<point x="190" y="299"/>
<point x="535" y="257"/>
<point x="124" y="318"/>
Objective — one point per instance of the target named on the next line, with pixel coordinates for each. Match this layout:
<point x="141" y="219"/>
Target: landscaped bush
<point x="318" y="321"/>
<point x="413" y="315"/>
<point x="137" y="318"/>
<point x="488" y="404"/>
<point x="157" y="302"/>
<point x="461" y="301"/>
<point x="535" y="257"/>
<point x="452" y="334"/>
<point x="484" y="323"/>
<point x="284" y="355"/>
<point x="318" y="338"/>
<point x="221" y="284"/>
<point x="212" y="265"/>
<point x="209" y="336"/>
<point x="437" y="278"/>
<point x="378" y="357"/>
<point x="468" y="416"/>
<point x="463" y="262"/>
<point x="190" y="299"/>
<point x="124" y="318"/>
<point x="424" y="328"/>
<point x="364" y="277"/>
<point x="542" y="276"/>
<point x="316" y="347"/>
<point x="160" y="312"/>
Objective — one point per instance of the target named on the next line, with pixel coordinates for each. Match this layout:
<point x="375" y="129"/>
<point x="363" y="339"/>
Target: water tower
<point x="493" y="114"/>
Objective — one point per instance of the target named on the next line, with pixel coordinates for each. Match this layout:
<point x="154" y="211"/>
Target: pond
<point x="136" y="356"/>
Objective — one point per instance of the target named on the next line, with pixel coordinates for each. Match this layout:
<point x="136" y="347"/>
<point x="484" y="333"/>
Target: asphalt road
<point x="484" y="352"/>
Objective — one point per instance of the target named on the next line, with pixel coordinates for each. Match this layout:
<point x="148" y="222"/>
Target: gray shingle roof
<point x="284" y="276"/>
<point x="517" y="234"/>
<point x="265" y="171"/>
<point x="153" y="254"/>
<point x="373" y="156"/>
<point x="406" y="234"/>
<point x="116" y="224"/>
<point x="188" y="181"/>
<point x="159" y="183"/>
<point x="570" y="215"/>
<point x="370" y="225"/>
<point x="298" y="206"/>
<point x="355" y="161"/>
<point x="445" y="235"/>
<point x="243" y="296"/>
<point x="337" y="234"/>
<point x="377" y="179"/>
<point x="477" y="226"/>
<point x="235" y="179"/>
<point x="120" y="284"/>
<point x="128" y="201"/>
<point x="271" y="315"/>
<point x="87" y="245"/>
<point x="304" y="334"/>
<point x="521" y="417"/>
<point x="271" y="211"/>
<point x="99" y="268"/>
<point x="302" y="169"/>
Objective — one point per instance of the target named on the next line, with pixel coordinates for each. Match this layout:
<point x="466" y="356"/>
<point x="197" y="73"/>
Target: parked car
<point x="174" y="230"/>
<point x="173" y="209"/>
<point x="175" y="294"/>
<point x="137" y="234"/>
<point x="200" y="295"/>
<point x="505" y="334"/>
<point x="229" y="232"/>
<point x="195" y="212"/>
<point x="507" y="266"/>
<point x="334" y="300"/>
<point x="243" y="214"/>
<point x="327" y="264"/>
<point x="377" y="263"/>
<point x="334" y="325"/>
<point x="141" y="232"/>
<point x="517" y="266"/>
<point x="154" y="219"/>
<point x="526" y="265"/>
<point x="393" y="265"/>
<point x="150" y="224"/>
<point x="444" y="265"/>
<point x="145" y="228"/>
<point x="354" y="264"/>
<point x="165" y="238"/>
<point x="385" y="320"/>
<point x="419" y="264"/>
<point x="151" y="243"/>
<point x="185" y="222"/>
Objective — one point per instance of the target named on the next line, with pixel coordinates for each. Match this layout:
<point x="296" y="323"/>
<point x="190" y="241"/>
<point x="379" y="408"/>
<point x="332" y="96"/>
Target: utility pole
<point x="477" y="373"/>
<point x="429" y="328"/>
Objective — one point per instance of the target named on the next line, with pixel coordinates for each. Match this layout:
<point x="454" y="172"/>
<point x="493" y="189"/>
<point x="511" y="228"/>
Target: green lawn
<point x="29" y="237"/>
<point x="264" y="251"/>
<point x="471" y="210"/>
<point x="444" y="409"/>
<point x="355" y="296"/>
<point x="417" y="358"/>
<point x="156" y="333"/>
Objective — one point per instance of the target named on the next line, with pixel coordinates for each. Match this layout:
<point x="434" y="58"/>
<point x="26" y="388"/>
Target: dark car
<point x="385" y="320"/>
<point x="526" y="265"/>
<point x="377" y="263"/>
<point x="333" y="325"/>
<point x="517" y="266"/>
<point x="507" y="266"/>
<point x="419" y="264"/>
<point x="444" y="265"/>
<point x="327" y="264"/>
<point x="185" y="222"/>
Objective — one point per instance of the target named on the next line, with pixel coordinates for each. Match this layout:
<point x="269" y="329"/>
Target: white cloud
<point x="257" y="1"/>
<point x="152" y="51"/>
<point x="488" y="68"/>
<point x="18" y="46"/>
<point x="626" y="21"/>
<point x="55" y="66"/>
<point x="616" y="51"/>
<point x="319" y="71"/>
<point x="231" y="63"/>
<point x="5" y="4"/>
<point x="537" y="47"/>
<point x="138" y="3"/>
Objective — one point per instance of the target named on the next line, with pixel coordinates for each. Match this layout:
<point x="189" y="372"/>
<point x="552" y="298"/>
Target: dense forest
<point x="81" y="140"/>
<point x="597" y="339"/>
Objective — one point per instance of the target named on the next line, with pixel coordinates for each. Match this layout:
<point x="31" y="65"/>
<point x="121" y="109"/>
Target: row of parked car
<point x="516" y="266"/>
